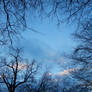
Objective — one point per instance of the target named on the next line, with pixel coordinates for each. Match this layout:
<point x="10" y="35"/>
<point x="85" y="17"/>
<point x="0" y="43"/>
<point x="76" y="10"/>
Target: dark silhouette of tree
<point x="15" y="71"/>
<point x="82" y="58"/>
<point x="13" y="14"/>
<point x="47" y="83"/>
<point x="78" y="88"/>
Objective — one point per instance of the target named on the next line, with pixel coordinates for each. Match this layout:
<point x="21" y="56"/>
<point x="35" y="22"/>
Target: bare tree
<point x="16" y="71"/>
<point x="47" y="83"/>
<point x="82" y="58"/>
<point x="13" y="14"/>
<point x="82" y="55"/>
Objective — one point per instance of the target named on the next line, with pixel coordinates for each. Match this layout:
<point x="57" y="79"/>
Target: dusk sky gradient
<point x="48" y="46"/>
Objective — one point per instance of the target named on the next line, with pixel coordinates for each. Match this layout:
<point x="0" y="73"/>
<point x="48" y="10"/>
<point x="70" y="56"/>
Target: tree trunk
<point x="11" y="90"/>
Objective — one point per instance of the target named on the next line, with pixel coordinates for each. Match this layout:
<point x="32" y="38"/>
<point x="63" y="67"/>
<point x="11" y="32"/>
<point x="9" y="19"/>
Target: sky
<point x="49" y="44"/>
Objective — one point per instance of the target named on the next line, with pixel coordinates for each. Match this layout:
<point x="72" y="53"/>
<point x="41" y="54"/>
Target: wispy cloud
<point x="65" y="72"/>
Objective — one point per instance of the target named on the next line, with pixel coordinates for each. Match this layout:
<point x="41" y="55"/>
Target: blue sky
<point x="48" y="45"/>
